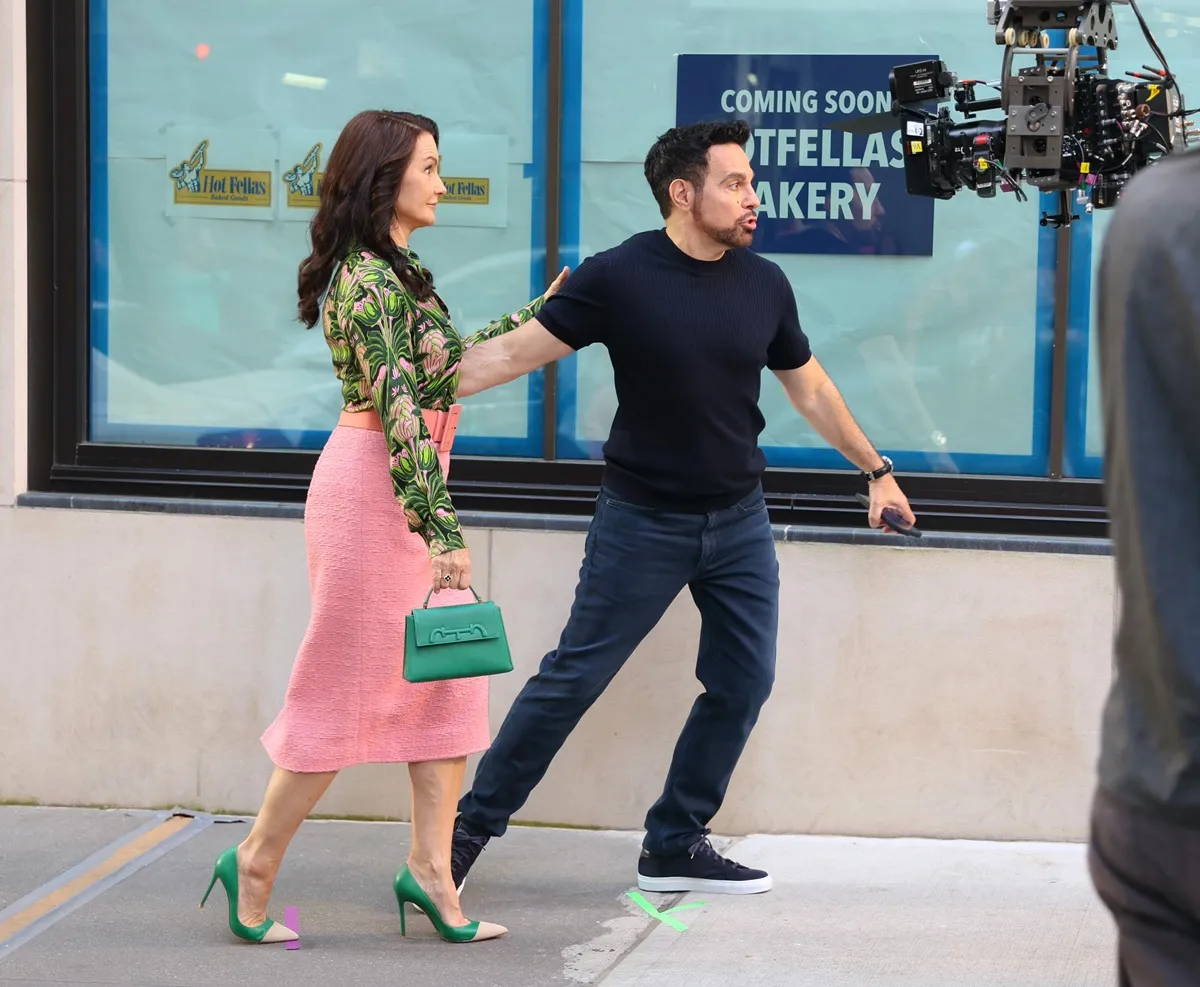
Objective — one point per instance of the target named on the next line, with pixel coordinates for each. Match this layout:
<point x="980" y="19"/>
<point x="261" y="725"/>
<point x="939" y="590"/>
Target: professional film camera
<point x="1066" y="127"/>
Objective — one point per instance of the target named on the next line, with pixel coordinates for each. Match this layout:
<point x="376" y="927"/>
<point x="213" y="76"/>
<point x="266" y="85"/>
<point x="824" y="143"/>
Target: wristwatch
<point x="883" y="470"/>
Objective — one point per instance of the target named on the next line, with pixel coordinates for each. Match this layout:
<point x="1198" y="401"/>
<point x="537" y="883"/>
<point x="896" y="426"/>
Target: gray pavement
<point x="36" y="845"/>
<point x="892" y="913"/>
<point x="844" y="913"/>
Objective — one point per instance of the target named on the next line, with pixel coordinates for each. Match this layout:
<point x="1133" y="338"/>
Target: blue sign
<point x="823" y="191"/>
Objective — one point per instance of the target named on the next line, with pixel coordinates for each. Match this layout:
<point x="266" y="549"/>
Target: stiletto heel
<point x="211" y="884"/>
<point x="408" y="890"/>
<point x="226" y="872"/>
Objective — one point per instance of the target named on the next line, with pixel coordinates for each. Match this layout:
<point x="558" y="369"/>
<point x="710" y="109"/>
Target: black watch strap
<point x="883" y="470"/>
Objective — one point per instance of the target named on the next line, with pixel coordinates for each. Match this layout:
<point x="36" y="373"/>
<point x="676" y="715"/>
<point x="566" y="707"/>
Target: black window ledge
<point x="577" y="523"/>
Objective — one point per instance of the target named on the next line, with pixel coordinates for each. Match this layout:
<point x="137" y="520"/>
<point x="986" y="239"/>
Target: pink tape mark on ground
<point x="291" y="918"/>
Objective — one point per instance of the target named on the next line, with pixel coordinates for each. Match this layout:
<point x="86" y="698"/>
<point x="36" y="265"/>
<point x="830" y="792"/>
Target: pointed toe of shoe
<point x="279" y="933"/>
<point x="488" y="930"/>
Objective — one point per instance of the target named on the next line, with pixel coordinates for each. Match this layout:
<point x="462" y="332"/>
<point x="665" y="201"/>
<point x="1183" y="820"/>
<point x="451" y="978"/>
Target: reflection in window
<point x="211" y="125"/>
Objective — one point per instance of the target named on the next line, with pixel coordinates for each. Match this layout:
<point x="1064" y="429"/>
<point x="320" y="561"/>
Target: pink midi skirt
<point x="348" y="701"/>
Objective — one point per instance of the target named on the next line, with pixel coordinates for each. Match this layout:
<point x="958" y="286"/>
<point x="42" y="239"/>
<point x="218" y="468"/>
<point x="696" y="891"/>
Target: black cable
<point x="1177" y="113"/>
<point x="1170" y="79"/>
<point x="1004" y="173"/>
<point x="1170" y="82"/>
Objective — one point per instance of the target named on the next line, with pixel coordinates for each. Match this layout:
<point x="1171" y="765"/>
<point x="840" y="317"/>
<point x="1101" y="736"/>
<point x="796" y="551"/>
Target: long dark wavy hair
<point x="358" y="202"/>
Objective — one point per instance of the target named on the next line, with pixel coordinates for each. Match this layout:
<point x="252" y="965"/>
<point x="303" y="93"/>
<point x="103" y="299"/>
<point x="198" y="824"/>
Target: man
<point x="690" y="318"/>
<point x="1145" y="841"/>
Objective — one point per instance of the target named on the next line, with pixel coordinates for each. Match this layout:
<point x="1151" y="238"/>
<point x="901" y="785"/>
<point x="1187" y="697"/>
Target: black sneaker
<point x="700" y="869"/>
<point x="464" y="851"/>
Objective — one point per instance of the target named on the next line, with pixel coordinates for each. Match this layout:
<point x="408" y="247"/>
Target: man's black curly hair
<point x="682" y="153"/>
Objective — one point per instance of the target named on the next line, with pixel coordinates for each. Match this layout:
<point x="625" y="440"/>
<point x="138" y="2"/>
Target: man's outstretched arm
<point x="508" y="357"/>
<point x="813" y="393"/>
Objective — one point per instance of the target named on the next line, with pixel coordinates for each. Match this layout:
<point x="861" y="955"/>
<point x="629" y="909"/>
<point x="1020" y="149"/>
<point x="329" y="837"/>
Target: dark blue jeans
<point x="636" y="561"/>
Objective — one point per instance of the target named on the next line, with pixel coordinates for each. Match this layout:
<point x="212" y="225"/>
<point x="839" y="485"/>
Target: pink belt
<point x="442" y="425"/>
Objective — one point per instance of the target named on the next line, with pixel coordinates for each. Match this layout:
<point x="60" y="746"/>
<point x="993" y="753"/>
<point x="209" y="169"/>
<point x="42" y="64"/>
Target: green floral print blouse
<point x="398" y="356"/>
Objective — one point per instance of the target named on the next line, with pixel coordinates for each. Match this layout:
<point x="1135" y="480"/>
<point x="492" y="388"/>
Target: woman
<point x="379" y="527"/>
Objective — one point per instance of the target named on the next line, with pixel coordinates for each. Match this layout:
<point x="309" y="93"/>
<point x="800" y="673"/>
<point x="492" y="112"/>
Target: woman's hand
<point x="558" y="282"/>
<point x="452" y="570"/>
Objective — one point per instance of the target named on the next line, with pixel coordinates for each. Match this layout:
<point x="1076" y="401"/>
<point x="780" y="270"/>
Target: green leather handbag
<point x="455" y="642"/>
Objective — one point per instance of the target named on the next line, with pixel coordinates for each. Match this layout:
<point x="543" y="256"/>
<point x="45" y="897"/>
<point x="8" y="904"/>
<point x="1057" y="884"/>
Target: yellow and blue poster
<point x="218" y="173"/>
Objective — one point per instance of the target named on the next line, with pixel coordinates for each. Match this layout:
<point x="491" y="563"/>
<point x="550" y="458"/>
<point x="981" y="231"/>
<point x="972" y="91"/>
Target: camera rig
<point x="1065" y="125"/>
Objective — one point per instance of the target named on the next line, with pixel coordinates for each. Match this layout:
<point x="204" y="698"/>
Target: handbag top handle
<point x="425" y="605"/>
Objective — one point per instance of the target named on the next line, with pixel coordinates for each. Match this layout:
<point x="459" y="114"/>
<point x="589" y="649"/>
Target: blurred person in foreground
<point x="1145" y="836"/>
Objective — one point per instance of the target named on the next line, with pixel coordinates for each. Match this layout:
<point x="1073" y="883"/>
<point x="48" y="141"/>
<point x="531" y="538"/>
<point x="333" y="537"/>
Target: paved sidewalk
<point x="844" y="912"/>
<point x="891" y="913"/>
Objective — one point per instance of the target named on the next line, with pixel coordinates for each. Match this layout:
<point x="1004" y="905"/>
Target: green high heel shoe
<point x="408" y="890"/>
<point x="226" y="872"/>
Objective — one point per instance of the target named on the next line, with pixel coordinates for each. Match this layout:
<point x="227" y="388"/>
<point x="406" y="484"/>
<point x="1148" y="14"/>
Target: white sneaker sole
<point x="677" y="884"/>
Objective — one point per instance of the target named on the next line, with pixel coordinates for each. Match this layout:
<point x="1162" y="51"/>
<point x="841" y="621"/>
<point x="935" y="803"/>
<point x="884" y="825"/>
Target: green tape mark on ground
<point x="664" y="917"/>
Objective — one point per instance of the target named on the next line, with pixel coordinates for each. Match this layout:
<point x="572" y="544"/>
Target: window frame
<point x="63" y="460"/>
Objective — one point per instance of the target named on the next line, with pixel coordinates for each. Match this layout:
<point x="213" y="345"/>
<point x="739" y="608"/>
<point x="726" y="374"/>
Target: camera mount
<point x="1065" y="124"/>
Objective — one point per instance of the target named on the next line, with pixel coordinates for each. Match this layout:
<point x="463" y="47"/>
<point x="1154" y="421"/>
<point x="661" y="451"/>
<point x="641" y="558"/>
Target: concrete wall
<point x="921" y="692"/>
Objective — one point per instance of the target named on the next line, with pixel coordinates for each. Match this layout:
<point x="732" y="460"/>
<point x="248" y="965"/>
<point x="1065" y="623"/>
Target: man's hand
<point x="885" y="492"/>
<point x="815" y="396"/>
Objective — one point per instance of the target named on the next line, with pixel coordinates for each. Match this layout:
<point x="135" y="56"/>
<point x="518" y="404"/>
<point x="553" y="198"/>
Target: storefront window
<point x="941" y="343"/>
<point x="209" y="124"/>
<point x="1093" y="411"/>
